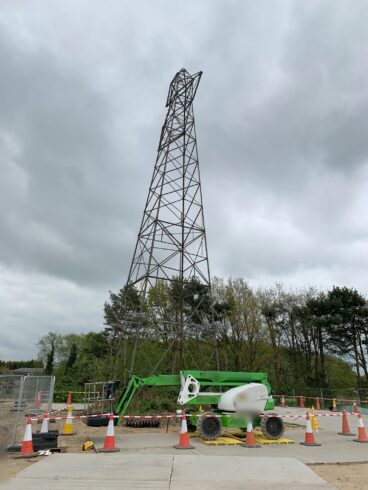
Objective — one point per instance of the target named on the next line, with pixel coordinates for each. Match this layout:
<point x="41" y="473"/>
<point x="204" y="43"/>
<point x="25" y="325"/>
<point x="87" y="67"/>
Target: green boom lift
<point x="241" y="395"/>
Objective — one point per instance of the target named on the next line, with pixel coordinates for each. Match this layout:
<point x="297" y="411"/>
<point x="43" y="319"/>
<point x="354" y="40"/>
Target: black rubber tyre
<point x="272" y="426"/>
<point x="191" y="427"/>
<point x="99" y="421"/>
<point x="209" y="428"/>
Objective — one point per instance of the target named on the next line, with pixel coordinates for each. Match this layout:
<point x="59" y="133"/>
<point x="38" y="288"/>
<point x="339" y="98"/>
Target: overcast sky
<point x="282" y="119"/>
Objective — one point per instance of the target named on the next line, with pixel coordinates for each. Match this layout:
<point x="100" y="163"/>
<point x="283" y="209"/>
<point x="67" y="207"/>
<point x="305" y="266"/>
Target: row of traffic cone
<point x="250" y="442"/>
<point x="317" y="404"/>
<point x="27" y="443"/>
<point x="345" y="430"/>
<point x="184" y="443"/>
<point x="27" y="450"/>
<point x="311" y="423"/>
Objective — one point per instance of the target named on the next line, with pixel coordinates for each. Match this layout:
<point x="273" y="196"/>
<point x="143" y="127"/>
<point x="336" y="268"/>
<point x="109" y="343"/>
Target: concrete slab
<point x="95" y="471"/>
<point x="242" y="472"/>
<point x="178" y="472"/>
<point x="334" y="448"/>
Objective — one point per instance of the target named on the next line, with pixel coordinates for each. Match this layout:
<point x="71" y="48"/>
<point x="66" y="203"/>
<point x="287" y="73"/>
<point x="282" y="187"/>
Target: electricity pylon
<point x="171" y="246"/>
<point x="171" y="242"/>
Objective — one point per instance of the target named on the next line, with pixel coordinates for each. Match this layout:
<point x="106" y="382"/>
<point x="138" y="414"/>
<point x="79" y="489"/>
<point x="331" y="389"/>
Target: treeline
<point x="7" y="366"/>
<point x="305" y="338"/>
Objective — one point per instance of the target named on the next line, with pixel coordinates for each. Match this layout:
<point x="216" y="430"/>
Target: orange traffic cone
<point x="345" y="430"/>
<point x="109" y="445"/>
<point x="184" y="436"/>
<point x="318" y="405"/>
<point x="37" y="400"/>
<point x="301" y="402"/>
<point x="334" y="406"/>
<point x="355" y="408"/>
<point x="69" y="399"/>
<point x="250" y="440"/>
<point x="45" y="423"/>
<point x="362" y="435"/>
<point x="309" y="436"/>
<point x="27" y="450"/>
<point x="283" y="403"/>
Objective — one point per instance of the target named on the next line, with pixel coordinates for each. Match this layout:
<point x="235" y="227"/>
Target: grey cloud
<point x="281" y="115"/>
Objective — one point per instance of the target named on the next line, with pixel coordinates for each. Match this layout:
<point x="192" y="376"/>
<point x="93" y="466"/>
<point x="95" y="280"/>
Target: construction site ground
<point x="148" y="460"/>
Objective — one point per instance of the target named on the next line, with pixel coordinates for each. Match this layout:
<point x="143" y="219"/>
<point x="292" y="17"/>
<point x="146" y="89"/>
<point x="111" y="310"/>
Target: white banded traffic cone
<point x="355" y="408"/>
<point x="362" y="435"/>
<point x="250" y="441"/>
<point x="109" y="445"/>
<point x="27" y="451"/>
<point x="184" y="436"/>
<point x="45" y="423"/>
<point x="283" y="403"/>
<point x="309" y="436"/>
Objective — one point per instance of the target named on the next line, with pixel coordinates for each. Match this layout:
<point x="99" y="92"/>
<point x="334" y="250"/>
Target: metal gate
<point x="21" y="396"/>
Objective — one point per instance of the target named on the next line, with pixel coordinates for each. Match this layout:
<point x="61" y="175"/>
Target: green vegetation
<point x="7" y="366"/>
<point x="301" y="339"/>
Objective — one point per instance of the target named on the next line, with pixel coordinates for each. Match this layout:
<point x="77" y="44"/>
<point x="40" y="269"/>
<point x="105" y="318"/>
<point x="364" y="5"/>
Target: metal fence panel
<point x="21" y="396"/>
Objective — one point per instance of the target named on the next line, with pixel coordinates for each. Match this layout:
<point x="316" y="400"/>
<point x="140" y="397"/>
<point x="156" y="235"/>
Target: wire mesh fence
<point x="344" y="397"/>
<point x="21" y="396"/>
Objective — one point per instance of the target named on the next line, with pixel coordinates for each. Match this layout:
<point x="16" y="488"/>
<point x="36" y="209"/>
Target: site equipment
<point x="239" y="395"/>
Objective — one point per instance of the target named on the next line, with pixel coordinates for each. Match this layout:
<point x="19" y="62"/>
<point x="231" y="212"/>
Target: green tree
<point x="72" y="357"/>
<point x="50" y="360"/>
<point x="50" y="344"/>
<point x="347" y="326"/>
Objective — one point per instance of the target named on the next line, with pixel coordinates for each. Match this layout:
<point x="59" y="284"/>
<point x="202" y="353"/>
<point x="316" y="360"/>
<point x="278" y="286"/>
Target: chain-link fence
<point x="21" y="396"/>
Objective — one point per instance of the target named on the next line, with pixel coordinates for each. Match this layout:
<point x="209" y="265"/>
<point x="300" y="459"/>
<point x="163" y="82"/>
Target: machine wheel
<point x="209" y="428"/>
<point x="272" y="426"/>
<point x="99" y="421"/>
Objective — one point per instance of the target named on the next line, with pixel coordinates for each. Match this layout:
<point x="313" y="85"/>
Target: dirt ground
<point x="353" y="476"/>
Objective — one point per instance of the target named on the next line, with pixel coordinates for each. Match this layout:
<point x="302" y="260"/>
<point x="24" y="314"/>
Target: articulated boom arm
<point x="135" y="382"/>
<point x="227" y="378"/>
<point x="205" y="379"/>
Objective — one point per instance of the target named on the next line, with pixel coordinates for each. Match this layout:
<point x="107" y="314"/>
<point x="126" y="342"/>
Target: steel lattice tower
<point x="172" y="243"/>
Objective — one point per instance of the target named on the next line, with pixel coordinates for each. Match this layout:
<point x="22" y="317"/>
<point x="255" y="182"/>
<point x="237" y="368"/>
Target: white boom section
<point x="249" y="398"/>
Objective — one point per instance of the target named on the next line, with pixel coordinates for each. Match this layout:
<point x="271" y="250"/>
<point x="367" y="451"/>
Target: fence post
<point x="20" y="404"/>
<point x="322" y="399"/>
<point x="51" y="393"/>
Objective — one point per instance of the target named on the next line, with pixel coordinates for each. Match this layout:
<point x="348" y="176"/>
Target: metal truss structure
<point x="170" y="255"/>
<point x="172" y="243"/>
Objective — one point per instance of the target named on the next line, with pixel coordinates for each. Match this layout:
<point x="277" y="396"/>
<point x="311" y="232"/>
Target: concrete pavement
<point x="177" y="472"/>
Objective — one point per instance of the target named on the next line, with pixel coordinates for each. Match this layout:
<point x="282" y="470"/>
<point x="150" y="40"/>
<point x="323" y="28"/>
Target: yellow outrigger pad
<point x="235" y="440"/>
<point x="223" y="441"/>
<point x="263" y="440"/>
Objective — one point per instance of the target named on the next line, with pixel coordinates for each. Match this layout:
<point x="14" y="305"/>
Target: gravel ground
<point x="352" y="476"/>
